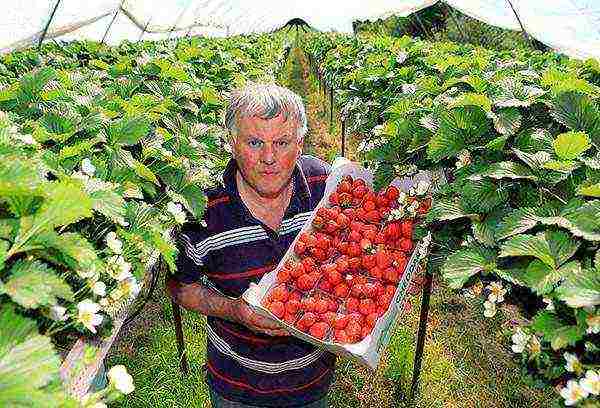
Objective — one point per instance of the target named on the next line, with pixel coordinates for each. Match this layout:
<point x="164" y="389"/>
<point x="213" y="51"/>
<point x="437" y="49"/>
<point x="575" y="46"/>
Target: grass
<point x="466" y="360"/>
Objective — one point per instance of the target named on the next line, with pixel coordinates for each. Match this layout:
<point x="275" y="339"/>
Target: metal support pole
<point x="144" y="30"/>
<point x="45" y="31"/>
<point x="425" y="30"/>
<point x="111" y="23"/>
<point x="525" y="34"/>
<point x="331" y="105"/>
<point x="458" y="27"/>
<point x="343" y="138"/>
<point x="420" y="338"/>
<point x="183" y="364"/>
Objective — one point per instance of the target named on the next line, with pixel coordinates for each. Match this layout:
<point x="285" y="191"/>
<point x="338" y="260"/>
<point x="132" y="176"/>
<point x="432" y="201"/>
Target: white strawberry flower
<point x="129" y="287"/>
<point x="88" y="314"/>
<point x="58" y="313"/>
<point x="591" y="382"/>
<point x="549" y="304"/>
<point x="409" y="88"/>
<point x="120" y="379"/>
<point x="27" y="139"/>
<point x="520" y="340"/>
<point x="87" y="167"/>
<point x="176" y="211"/>
<point x="119" y="268"/>
<point x="99" y="288"/>
<point x="497" y="292"/>
<point x="593" y="323"/>
<point x="573" y="393"/>
<point x="114" y="243"/>
<point x="402" y="198"/>
<point x="378" y="130"/>
<point x="489" y="309"/>
<point x="573" y="364"/>
<point x="412" y="208"/>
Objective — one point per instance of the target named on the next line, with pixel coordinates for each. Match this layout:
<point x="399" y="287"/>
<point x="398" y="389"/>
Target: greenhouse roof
<point x="568" y="26"/>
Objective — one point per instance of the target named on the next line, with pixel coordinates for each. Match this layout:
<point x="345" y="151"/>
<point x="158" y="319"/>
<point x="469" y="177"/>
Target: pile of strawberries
<point x="346" y="267"/>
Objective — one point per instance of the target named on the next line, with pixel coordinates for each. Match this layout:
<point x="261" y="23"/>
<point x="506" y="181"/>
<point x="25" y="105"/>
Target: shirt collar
<point x="300" y="201"/>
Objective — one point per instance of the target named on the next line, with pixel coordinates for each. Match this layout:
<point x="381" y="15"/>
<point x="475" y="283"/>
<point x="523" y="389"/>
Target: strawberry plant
<point x="518" y="134"/>
<point x="103" y="151"/>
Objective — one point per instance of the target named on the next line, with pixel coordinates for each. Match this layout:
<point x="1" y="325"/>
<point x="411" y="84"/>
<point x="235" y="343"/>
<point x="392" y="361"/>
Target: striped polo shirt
<point x="233" y="250"/>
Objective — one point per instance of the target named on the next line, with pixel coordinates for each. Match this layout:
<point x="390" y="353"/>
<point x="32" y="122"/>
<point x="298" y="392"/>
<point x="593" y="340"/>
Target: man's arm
<point x="207" y="301"/>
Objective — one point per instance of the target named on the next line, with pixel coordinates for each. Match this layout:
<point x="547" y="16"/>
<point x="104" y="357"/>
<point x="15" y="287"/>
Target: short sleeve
<point x="191" y="241"/>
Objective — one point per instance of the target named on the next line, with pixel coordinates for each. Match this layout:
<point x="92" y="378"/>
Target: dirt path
<point x="322" y="140"/>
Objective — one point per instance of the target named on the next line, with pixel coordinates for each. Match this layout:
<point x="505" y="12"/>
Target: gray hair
<point x="265" y="100"/>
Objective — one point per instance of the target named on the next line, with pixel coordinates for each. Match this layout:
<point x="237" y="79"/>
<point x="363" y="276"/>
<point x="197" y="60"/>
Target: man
<point x="269" y="190"/>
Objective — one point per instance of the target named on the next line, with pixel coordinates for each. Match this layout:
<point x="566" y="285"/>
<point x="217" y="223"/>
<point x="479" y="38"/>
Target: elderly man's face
<point x="266" y="151"/>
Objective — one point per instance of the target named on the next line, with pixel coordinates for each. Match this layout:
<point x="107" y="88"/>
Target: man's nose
<point x="267" y="154"/>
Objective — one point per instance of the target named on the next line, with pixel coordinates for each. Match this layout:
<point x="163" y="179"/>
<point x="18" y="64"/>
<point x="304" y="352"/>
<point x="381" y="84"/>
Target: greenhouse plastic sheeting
<point x="569" y="26"/>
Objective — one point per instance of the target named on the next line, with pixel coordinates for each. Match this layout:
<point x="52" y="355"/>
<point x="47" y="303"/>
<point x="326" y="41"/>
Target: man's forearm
<point x="203" y="300"/>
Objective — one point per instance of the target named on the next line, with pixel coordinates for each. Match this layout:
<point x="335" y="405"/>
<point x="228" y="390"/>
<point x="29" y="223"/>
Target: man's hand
<point x="208" y="302"/>
<point x="243" y="314"/>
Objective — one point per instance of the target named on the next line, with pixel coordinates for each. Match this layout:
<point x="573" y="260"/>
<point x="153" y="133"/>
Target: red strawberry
<point x="341" y="290"/>
<point x="383" y="258"/>
<point x="341" y="337"/>
<point x="353" y="330"/>
<point x="376" y="272"/>
<point x="406" y="228"/>
<point x="292" y="306"/>
<point x="359" y="191"/>
<point x="369" y="206"/>
<point x="329" y="317"/>
<point x="344" y="187"/>
<point x="369" y="261"/>
<point x="306" y="321"/>
<point x="280" y="293"/>
<point x="342" y="220"/>
<point x="370" y="289"/>
<point x="334" y="198"/>
<point x="299" y="248"/>
<point x="304" y="282"/>
<point x="352" y="304"/>
<point x="289" y="318"/>
<point x="278" y="309"/>
<point x="366" y="330"/>
<point x="325" y="285"/>
<point x="334" y="277"/>
<point x="406" y="244"/>
<point x="392" y="193"/>
<point x="298" y="271"/>
<point x="341" y="264"/>
<point x="371" y="319"/>
<point x="341" y="320"/>
<point x="354" y="236"/>
<point x="365" y="244"/>
<point x="321" y="306"/>
<point x="390" y="274"/>
<point x="381" y="201"/>
<point x="366" y="307"/>
<point x="354" y="264"/>
<point x="354" y="249"/>
<point x="283" y="275"/>
<point x="357" y="290"/>
<point x="308" y="304"/>
<point x="332" y="305"/>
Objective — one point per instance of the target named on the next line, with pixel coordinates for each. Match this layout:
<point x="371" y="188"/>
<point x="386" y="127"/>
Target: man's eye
<point x="283" y="143"/>
<point x="254" y="143"/>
